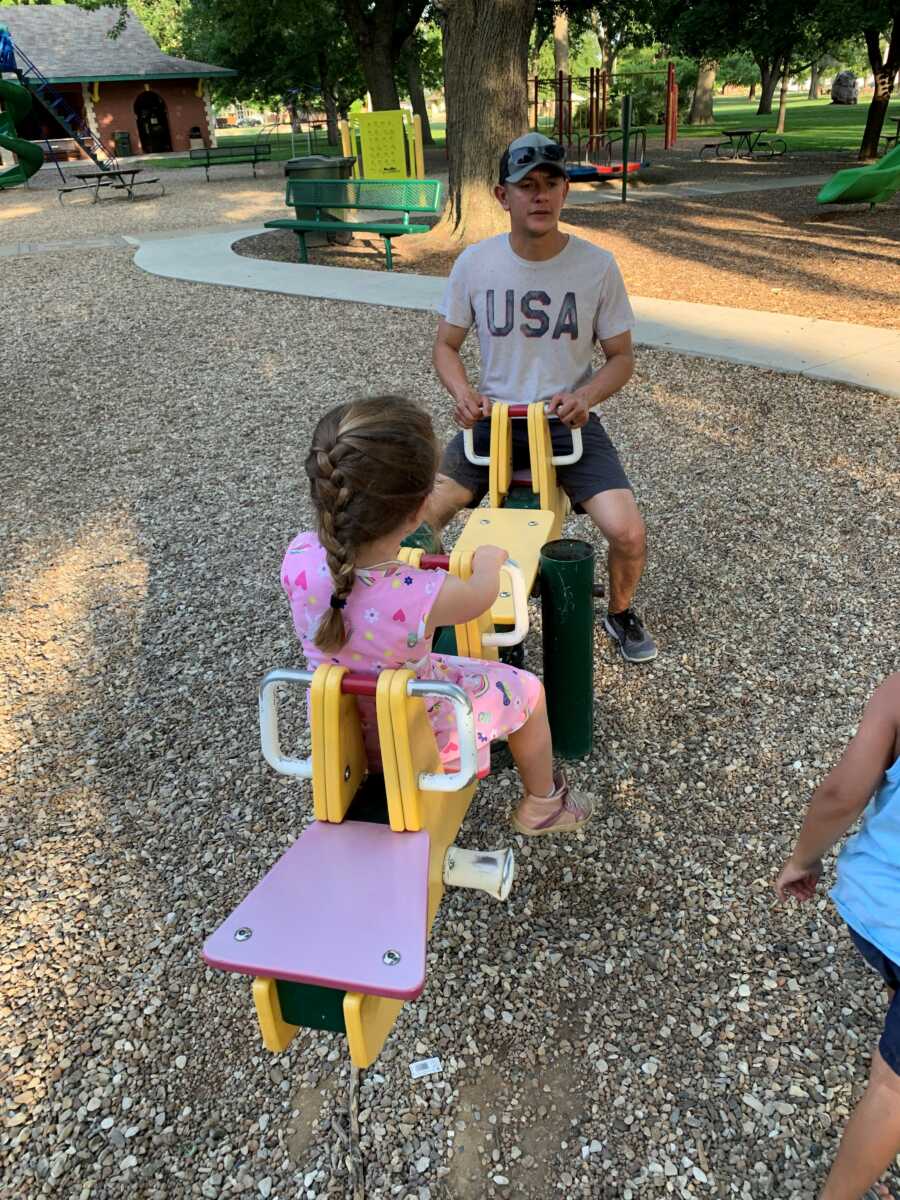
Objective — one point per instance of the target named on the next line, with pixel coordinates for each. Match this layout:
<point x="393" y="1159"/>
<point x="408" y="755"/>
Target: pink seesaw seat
<point x="330" y="908"/>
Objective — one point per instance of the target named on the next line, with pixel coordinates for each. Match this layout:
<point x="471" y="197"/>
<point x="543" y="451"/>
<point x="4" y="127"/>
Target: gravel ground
<point x="638" y="1018"/>
<point x="34" y="214"/>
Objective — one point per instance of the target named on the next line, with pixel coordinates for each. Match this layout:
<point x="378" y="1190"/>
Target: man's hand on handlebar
<point x="471" y="407"/>
<point x="571" y="409"/>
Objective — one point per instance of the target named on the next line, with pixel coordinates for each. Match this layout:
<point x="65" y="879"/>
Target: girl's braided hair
<point x="371" y="464"/>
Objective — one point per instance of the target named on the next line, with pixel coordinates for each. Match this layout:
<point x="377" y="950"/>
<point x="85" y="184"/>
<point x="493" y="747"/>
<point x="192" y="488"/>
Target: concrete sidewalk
<point x="864" y="355"/>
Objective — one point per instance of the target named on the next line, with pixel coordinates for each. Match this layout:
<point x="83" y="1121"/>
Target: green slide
<point x="16" y="103"/>
<point x="861" y="185"/>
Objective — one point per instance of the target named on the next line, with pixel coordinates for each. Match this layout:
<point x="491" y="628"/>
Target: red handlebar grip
<point x="359" y="685"/>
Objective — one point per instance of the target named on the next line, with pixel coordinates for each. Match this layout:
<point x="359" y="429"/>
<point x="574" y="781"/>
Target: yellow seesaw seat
<point x="520" y="531"/>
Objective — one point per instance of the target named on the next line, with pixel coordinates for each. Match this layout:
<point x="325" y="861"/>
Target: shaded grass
<point x="811" y="125"/>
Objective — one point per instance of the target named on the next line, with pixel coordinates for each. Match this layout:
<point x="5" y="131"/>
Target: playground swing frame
<point x="599" y="84"/>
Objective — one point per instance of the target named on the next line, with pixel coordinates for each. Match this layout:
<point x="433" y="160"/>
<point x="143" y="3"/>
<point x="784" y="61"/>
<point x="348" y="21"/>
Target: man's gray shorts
<point x="598" y="469"/>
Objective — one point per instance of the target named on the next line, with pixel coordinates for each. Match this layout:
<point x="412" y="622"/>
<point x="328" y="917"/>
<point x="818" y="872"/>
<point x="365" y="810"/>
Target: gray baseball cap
<point x="530" y="151"/>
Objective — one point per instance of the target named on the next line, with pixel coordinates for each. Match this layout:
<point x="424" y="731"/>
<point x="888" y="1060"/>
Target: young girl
<point x="371" y="469"/>
<point x="867" y="895"/>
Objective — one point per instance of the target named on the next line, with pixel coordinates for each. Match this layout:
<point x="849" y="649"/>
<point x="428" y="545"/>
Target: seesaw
<point x="335" y="934"/>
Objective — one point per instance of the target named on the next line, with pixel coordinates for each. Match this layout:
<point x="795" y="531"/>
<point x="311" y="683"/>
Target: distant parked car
<point x="244" y="122"/>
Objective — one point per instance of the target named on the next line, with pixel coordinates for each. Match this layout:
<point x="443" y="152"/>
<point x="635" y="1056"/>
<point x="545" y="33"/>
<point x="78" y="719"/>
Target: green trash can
<point x="122" y="139"/>
<point x="321" y="166"/>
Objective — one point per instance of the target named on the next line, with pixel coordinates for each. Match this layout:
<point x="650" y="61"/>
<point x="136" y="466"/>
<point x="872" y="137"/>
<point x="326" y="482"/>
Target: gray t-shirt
<point x="537" y="321"/>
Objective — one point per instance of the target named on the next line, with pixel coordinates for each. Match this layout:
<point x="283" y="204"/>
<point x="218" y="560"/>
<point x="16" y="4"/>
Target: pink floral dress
<point x="386" y="615"/>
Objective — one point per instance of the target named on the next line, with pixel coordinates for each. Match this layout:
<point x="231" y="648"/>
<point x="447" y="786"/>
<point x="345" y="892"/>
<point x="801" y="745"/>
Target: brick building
<point x="121" y="85"/>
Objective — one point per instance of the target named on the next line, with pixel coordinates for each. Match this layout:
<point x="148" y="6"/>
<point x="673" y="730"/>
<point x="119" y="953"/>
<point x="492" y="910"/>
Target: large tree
<point x="381" y="29"/>
<point x="421" y="66"/>
<point x="878" y="21"/>
<point x="485" y="67"/>
<point x="884" y="67"/>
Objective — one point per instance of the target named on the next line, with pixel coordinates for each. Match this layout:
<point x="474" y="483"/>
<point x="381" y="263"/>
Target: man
<point x="539" y="299"/>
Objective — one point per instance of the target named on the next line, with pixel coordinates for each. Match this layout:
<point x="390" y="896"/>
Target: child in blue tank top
<point x="867" y="895"/>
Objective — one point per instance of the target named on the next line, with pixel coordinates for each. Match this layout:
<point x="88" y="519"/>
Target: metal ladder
<point x="77" y="128"/>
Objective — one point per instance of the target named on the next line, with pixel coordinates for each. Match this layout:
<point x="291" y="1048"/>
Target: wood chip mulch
<point x="774" y="251"/>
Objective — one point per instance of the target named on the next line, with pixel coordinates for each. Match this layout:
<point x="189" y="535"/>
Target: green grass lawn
<point x="810" y="125"/>
<point x="281" y="145"/>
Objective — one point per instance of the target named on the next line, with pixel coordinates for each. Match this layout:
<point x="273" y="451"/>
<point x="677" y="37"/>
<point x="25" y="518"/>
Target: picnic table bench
<point x="746" y="143"/>
<point x="313" y="200"/>
<point x="115" y="179"/>
<point x="236" y="152"/>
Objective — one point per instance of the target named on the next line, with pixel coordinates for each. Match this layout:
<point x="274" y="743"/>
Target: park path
<point x="863" y="355"/>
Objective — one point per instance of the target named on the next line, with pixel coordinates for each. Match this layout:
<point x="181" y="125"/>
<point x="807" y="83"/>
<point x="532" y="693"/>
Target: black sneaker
<point x="628" y="630"/>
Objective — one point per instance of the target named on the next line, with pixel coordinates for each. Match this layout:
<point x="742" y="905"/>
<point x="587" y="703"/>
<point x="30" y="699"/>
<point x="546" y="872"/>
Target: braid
<point x="331" y="496"/>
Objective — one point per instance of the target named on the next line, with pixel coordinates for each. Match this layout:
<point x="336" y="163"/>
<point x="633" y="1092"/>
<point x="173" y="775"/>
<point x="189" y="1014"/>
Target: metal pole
<point x="605" y="79"/>
<point x="626" y="134"/>
<point x="567" y="582"/>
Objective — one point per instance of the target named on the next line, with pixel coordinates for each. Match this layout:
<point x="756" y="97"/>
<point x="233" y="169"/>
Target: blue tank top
<point x="867" y="891"/>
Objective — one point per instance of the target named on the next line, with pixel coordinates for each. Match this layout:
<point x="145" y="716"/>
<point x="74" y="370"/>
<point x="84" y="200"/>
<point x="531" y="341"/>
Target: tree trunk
<point x="813" y="93"/>
<point x="293" y="113"/>
<point x="561" y="42"/>
<point x="380" y="29"/>
<point x="702" y="103"/>
<point x="485" y="61"/>
<point x="884" y="70"/>
<point x="782" y="99"/>
<point x="769" y="72"/>
<point x="328" y="100"/>
<point x="606" y="40"/>
<point x="417" y="92"/>
<point x="331" y="118"/>
<point x="752" y="91"/>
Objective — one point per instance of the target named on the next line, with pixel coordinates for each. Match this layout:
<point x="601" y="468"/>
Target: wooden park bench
<point x="314" y="199"/>
<point x="236" y="152"/>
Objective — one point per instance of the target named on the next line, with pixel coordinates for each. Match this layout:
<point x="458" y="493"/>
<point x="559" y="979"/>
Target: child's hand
<point x="489" y="558"/>
<point x="798" y="881"/>
<point x="471" y="407"/>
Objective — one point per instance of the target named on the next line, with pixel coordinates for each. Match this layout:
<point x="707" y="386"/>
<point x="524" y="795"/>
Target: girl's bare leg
<point x="532" y="749"/>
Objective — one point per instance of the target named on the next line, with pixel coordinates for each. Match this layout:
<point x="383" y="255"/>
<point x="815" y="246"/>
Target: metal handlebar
<point x="453" y="781"/>
<point x="302" y="768"/>
<point x="520" y="609"/>
<point x="558" y="460"/>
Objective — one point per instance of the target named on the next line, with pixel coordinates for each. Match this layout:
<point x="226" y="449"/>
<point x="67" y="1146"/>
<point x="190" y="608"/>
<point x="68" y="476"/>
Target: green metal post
<point x="626" y="135"/>
<point x="567" y="583"/>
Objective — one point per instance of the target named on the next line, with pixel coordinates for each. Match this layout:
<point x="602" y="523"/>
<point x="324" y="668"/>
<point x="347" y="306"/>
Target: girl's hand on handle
<point x="489" y="558"/>
<point x="797" y="880"/>
<point x="471" y="407"/>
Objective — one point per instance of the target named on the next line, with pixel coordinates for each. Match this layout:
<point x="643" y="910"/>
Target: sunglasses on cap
<point x="551" y="153"/>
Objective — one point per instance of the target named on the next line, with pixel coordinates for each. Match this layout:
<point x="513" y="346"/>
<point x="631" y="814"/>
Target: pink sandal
<point x="563" y="811"/>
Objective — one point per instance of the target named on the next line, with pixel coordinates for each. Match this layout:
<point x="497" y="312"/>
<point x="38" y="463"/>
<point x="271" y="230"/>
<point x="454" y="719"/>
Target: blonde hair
<point x="371" y="464"/>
